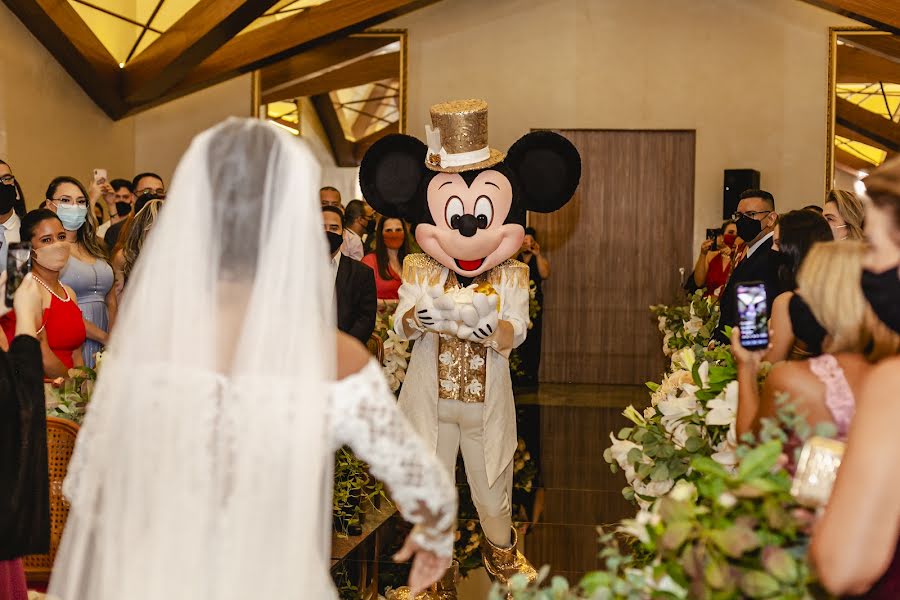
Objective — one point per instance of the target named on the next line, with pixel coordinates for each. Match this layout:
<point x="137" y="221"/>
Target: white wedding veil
<point x="202" y="469"/>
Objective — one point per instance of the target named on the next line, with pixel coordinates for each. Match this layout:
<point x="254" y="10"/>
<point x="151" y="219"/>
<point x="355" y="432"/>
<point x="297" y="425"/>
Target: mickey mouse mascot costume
<point x="464" y="301"/>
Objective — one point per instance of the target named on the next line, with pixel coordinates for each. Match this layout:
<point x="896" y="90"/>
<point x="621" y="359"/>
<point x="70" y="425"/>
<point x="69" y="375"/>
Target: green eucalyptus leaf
<point x="760" y="460"/>
<point x="756" y="584"/>
<point x="660" y="472"/>
<point x="693" y="444"/>
<point x="634" y="455"/>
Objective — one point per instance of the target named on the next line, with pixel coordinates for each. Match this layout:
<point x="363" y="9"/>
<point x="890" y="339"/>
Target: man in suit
<point x="755" y="218"/>
<point x="354" y="282"/>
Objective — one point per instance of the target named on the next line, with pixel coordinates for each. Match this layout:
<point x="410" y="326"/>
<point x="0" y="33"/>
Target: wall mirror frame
<point x="863" y="108"/>
<point x="355" y="85"/>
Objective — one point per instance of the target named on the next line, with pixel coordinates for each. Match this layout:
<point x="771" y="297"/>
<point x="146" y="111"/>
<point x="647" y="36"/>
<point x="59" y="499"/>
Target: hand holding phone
<point x="753" y="315"/>
<point x="18" y="265"/>
<point x="100" y="176"/>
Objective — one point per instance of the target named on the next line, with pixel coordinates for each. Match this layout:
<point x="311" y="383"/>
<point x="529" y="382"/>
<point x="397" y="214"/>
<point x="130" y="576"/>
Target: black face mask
<point x="334" y="241"/>
<point x="748" y="228"/>
<point x="7" y="199"/>
<point x="123" y="208"/>
<point x="370" y="226"/>
<point x="882" y="290"/>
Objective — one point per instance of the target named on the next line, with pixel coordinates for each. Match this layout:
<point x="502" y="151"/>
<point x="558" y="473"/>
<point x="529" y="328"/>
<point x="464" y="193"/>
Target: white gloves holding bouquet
<point x="470" y="313"/>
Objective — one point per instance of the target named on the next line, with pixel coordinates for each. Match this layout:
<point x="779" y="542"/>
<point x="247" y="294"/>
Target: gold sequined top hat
<point x="458" y="137"/>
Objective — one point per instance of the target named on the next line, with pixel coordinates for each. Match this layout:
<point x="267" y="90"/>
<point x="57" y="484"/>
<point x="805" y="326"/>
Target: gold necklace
<point x="47" y="287"/>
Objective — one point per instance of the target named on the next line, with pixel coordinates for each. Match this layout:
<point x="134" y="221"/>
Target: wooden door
<point x="615" y="249"/>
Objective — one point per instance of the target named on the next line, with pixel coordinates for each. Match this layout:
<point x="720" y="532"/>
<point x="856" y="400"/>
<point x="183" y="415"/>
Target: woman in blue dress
<point x="88" y="271"/>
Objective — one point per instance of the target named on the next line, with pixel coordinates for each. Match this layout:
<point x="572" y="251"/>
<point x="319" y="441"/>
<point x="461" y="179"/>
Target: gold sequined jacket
<point x="443" y="367"/>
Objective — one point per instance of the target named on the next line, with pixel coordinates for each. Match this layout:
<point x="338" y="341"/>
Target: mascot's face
<point x="469" y="235"/>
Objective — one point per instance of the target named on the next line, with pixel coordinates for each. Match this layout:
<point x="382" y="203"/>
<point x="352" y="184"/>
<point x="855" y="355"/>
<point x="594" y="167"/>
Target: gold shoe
<point x="503" y="563"/>
<point x="444" y="589"/>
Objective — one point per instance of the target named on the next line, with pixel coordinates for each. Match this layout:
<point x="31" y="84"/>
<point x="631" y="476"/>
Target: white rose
<point x="727" y="499"/>
<point x="683" y="491"/>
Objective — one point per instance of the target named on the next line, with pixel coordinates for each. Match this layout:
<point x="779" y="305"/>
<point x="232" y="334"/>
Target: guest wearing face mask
<point x="358" y="223"/>
<point x="845" y="213"/>
<point x="387" y="260"/>
<point x="755" y="219"/>
<point x="120" y="202"/>
<point x="87" y="271"/>
<point x="10" y="197"/>
<point x="354" y="283"/>
<point x="61" y="332"/>
<point x="714" y="267"/>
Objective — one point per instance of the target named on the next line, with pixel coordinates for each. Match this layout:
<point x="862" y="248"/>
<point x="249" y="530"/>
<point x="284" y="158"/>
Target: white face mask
<point x="53" y="257"/>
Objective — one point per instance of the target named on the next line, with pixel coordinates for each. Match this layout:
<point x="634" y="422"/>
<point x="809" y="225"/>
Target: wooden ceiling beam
<point x="855" y="65"/>
<point x="341" y="147"/>
<point x="882" y="44"/>
<point x="881" y="14"/>
<point x="266" y="45"/>
<point x="366" y="70"/>
<point x="868" y="124"/>
<point x="72" y="43"/>
<point x="202" y="30"/>
<point x="319" y="59"/>
<point x="852" y="161"/>
<point x="367" y="112"/>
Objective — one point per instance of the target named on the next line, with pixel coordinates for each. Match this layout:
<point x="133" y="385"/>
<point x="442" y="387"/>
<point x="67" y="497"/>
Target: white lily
<point x="723" y="409"/>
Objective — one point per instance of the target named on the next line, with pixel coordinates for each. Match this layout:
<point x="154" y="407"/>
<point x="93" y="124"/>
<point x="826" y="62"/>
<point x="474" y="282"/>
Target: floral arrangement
<point x="686" y="326"/>
<point x="692" y="412"/>
<point x="68" y="398"/>
<point x="730" y="533"/>
<point x="396" y="350"/>
<point x="716" y="519"/>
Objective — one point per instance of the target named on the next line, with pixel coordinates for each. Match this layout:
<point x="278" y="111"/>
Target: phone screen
<point x="18" y="265"/>
<point x="753" y="315"/>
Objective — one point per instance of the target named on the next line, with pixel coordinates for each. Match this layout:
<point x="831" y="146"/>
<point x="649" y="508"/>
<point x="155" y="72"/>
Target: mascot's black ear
<point x="548" y="168"/>
<point x="390" y="174"/>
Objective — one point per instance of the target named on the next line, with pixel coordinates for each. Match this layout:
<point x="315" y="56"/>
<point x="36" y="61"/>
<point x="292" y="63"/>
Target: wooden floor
<point x="581" y="492"/>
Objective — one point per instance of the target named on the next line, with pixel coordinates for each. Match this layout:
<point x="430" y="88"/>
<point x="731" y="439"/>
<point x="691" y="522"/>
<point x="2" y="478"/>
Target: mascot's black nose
<point x="468" y="225"/>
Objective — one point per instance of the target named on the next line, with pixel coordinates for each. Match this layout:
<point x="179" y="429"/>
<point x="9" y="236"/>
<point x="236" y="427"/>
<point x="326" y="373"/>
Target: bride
<point x="203" y="469"/>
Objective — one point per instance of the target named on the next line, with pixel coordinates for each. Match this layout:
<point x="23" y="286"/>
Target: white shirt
<point x="758" y="244"/>
<point x="335" y="263"/>
<point x="11" y="229"/>
<point x="352" y="246"/>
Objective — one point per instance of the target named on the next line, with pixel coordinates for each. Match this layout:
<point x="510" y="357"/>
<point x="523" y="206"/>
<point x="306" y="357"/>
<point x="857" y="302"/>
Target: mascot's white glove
<point x="479" y="319"/>
<point x="433" y="311"/>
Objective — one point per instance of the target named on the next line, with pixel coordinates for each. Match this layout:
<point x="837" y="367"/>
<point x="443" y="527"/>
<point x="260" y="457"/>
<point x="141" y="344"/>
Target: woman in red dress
<point x="391" y="248"/>
<point x="714" y="267"/>
<point x="61" y="331"/>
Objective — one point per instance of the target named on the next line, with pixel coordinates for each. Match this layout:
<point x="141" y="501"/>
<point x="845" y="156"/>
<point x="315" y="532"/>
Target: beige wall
<point x="48" y="125"/>
<point x="748" y="76"/>
<point x="162" y="134"/>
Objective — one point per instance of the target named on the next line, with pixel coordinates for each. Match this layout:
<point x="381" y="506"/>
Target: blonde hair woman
<point x="125" y="256"/>
<point x="845" y="213"/>
<point x="822" y="388"/>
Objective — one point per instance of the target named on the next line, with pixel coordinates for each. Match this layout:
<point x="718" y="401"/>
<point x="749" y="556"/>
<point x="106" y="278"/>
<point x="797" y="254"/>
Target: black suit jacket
<point x="356" y="298"/>
<point x="760" y="266"/>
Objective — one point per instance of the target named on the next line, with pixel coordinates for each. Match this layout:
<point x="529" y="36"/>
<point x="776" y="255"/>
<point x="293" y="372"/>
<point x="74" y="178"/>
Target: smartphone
<point x="18" y="265"/>
<point x="100" y="176"/>
<point x="713" y="234"/>
<point x="753" y="315"/>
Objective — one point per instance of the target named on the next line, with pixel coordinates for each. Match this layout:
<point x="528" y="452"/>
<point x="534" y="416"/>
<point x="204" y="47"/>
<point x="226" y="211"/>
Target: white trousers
<point x="460" y="428"/>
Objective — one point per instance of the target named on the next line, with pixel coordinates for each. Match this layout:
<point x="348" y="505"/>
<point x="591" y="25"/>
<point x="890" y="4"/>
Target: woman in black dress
<point x="25" y="499"/>
<point x="530" y="350"/>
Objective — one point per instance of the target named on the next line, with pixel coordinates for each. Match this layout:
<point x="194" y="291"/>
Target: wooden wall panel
<point x="616" y="249"/>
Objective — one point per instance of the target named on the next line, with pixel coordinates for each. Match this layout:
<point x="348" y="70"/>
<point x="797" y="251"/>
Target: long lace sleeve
<point x="364" y="416"/>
